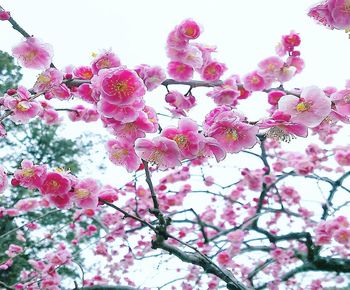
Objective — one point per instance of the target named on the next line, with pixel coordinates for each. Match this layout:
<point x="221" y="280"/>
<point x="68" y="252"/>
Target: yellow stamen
<point x="82" y="193"/>
<point x="231" y="134"/>
<point x="302" y="107"/>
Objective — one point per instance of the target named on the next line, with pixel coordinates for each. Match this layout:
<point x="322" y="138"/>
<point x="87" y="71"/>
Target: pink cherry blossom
<point x="340" y="12"/>
<point x="105" y="60"/>
<point x="108" y="193"/>
<point x="160" y="150"/>
<point x="31" y="53"/>
<point x="232" y="134"/>
<point x="47" y="79"/>
<point x="342" y="101"/>
<point x="86" y="193"/>
<point x="121" y="86"/>
<point x="254" y="82"/>
<point x="227" y="93"/>
<point x="151" y="76"/>
<point x="270" y="67"/>
<point x="209" y="147"/>
<point x="180" y="101"/>
<point x="55" y="183"/>
<point x="213" y="71"/>
<point x="86" y="93"/>
<point x="83" y="72"/>
<point x="22" y="106"/>
<point x="122" y="152"/>
<point x="30" y="176"/>
<point x="180" y="71"/>
<point x="189" y="29"/>
<point x="3" y="180"/>
<point x="310" y="109"/>
<point x="186" y="137"/>
<point x="4" y="15"/>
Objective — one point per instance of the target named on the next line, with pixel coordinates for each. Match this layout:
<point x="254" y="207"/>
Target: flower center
<point x="82" y="193"/>
<point x="119" y="154"/>
<point x="231" y="134"/>
<point x="22" y="107"/>
<point x="303" y="106"/>
<point x="29" y="172"/>
<point x="54" y="184"/>
<point x="30" y="55"/>
<point x="103" y="63"/>
<point x="43" y="79"/>
<point x="255" y="80"/>
<point x="181" y="140"/>
<point x="156" y="156"/>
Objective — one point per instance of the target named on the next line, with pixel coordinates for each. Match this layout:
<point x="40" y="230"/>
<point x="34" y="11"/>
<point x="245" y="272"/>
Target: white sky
<point x="245" y="31"/>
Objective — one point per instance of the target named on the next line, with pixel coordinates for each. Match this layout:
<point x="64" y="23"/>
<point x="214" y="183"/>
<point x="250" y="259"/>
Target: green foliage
<point x="9" y="72"/>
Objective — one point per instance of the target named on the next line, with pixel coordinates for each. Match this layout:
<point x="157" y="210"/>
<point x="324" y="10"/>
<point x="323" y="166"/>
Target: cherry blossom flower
<point x="4" y="15"/>
<point x="121" y="86"/>
<point x="180" y="71"/>
<point x="186" y="137"/>
<point x="47" y="79"/>
<point x="30" y="176"/>
<point x="213" y="71"/>
<point x="254" y="82"/>
<point x="161" y="151"/>
<point x="55" y="183"/>
<point x="232" y="134"/>
<point x="31" y="53"/>
<point x="105" y="60"/>
<point x="189" y="29"/>
<point x="86" y="193"/>
<point x="310" y="109"/>
<point x="152" y="76"/>
<point x="122" y="152"/>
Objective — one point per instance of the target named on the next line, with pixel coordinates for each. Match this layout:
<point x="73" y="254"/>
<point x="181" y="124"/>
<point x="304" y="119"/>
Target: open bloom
<point x="31" y="53"/>
<point x="105" y="60"/>
<point x="122" y="152"/>
<point x="310" y="109"/>
<point x="180" y="71"/>
<point x="121" y="86"/>
<point x="30" y="176"/>
<point x="186" y="137"/>
<point x="342" y="101"/>
<point x="161" y="151"/>
<point x="86" y="193"/>
<point x="233" y="134"/>
<point x="55" y="183"/>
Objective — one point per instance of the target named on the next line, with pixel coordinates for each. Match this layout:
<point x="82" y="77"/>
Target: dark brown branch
<point x="202" y="261"/>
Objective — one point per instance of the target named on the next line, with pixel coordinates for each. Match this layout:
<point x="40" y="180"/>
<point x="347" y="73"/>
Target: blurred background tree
<point x="39" y="143"/>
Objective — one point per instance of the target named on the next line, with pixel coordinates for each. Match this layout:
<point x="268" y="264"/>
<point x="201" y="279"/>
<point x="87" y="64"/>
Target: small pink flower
<point x="30" y="176"/>
<point x="14" y="250"/>
<point x="86" y="93"/>
<point x="4" y="15"/>
<point x="62" y="200"/>
<point x="47" y="79"/>
<point x="122" y="152"/>
<point x="232" y="134"/>
<point x="124" y="114"/>
<point x="213" y="71"/>
<point x="161" y="151"/>
<point x="224" y="258"/>
<point x="83" y="72"/>
<point x="108" y="193"/>
<point x="22" y="107"/>
<point x="179" y="101"/>
<point x="227" y="93"/>
<point x="55" y="184"/>
<point x="189" y="29"/>
<point x="342" y="236"/>
<point x="61" y="92"/>
<point x="270" y="67"/>
<point x="310" y="109"/>
<point x="209" y="147"/>
<point x="340" y="12"/>
<point x="121" y="86"/>
<point x="151" y="76"/>
<point x="31" y="53"/>
<point x="186" y="137"/>
<point x="342" y="101"/>
<point x="254" y="82"/>
<point x="28" y="204"/>
<point x="86" y="193"/>
<point x="105" y="60"/>
<point x="3" y="180"/>
<point x="180" y="71"/>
